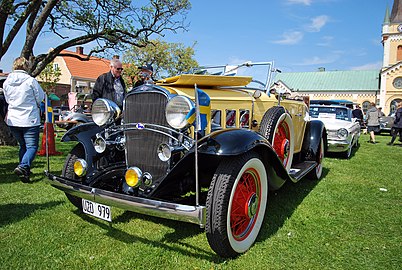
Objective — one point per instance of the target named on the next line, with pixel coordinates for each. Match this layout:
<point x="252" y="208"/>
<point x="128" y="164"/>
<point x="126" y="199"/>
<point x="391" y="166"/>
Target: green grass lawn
<point x="351" y="219"/>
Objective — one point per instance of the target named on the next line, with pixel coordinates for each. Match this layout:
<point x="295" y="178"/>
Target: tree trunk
<point x="6" y="138"/>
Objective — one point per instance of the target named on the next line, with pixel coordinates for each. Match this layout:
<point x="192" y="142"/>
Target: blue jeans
<point x="28" y="139"/>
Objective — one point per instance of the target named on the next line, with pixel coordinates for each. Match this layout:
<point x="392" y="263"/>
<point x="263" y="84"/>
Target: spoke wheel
<point x="236" y="204"/>
<point x="277" y="127"/>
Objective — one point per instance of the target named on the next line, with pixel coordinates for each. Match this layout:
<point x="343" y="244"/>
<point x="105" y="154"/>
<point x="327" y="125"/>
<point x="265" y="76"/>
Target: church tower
<point x="391" y="72"/>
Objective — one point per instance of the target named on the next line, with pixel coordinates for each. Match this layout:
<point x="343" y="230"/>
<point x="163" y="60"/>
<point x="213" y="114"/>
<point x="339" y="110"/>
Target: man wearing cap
<point x="111" y="85"/>
<point x="145" y="75"/>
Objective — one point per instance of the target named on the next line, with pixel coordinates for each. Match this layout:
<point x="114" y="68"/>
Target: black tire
<point x="316" y="173"/>
<point x="277" y="127"/>
<point x="236" y="204"/>
<point x="68" y="171"/>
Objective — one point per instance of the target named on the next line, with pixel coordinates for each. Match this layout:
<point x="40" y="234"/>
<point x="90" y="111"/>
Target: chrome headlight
<point x="104" y="111"/>
<point x="177" y="110"/>
<point x="99" y="145"/>
<point x="342" y="133"/>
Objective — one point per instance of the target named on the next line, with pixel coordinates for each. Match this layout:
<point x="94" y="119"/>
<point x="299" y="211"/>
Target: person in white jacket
<point x="23" y="95"/>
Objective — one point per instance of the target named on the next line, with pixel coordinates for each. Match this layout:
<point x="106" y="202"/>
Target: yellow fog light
<point x="80" y="167"/>
<point x="133" y="176"/>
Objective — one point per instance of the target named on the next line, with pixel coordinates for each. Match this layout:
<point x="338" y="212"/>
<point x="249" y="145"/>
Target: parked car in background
<point x="203" y="149"/>
<point x="58" y="110"/>
<point x="386" y="123"/>
<point x="343" y="131"/>
<point x="79" y="114"/>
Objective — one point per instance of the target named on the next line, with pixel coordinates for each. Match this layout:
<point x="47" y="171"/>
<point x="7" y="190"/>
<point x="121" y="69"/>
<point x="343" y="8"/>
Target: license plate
<point x="97" y="210"/>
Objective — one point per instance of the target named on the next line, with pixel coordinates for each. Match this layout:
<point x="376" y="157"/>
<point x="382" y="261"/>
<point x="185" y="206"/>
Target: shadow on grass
<point x="341" y="155"/>
<point x="11" y="213"/>
<point x="182" y="230"/>
<point x="283" y="202"/>
<point x="280" y="207"/>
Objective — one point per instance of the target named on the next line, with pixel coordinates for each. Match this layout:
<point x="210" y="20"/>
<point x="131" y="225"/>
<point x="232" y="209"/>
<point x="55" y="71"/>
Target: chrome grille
<point x="141" y="145"/>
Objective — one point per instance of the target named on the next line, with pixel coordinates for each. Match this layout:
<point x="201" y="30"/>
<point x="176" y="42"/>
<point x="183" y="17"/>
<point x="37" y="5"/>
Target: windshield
<point x="330" y="112"/>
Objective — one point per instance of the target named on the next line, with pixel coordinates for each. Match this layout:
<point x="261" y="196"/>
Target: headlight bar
<point x="184" y="140"/>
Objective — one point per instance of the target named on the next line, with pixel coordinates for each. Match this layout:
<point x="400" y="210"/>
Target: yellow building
<point x="383" y="87"/>
<point x="391" y="72"/>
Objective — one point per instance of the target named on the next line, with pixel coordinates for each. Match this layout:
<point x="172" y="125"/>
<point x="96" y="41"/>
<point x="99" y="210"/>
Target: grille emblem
<point x="139" y="126"/>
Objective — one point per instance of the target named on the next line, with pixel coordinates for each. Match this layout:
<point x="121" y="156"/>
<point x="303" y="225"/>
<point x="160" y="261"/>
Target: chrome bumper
<point x="181" y="212"/>
<point x="338" y="146"/>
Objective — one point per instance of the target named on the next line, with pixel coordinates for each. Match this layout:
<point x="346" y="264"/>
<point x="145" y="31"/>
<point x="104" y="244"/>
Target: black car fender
<point x="315" y="130"/>
<point x="79" y="117"/>
<point x="84" y="134"/>
<point x="217" y="146"/>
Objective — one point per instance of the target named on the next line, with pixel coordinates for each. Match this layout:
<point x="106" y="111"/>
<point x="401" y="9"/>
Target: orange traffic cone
<point x="48" y="131"/>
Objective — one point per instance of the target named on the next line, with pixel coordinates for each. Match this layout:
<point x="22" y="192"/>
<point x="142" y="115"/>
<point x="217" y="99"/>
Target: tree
<point x="167" y="59"/>
<point x="49" y="77"/>
<point x="110" y="24"/>
<point x="113" y="25"/>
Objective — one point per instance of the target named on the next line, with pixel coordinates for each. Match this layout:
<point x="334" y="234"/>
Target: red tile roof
<point x="90" y="69"/>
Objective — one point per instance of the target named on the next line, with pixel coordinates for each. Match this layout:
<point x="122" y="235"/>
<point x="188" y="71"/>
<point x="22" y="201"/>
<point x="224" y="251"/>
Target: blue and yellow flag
<point x="203" y="105"/>
<point x="49" y="110"/>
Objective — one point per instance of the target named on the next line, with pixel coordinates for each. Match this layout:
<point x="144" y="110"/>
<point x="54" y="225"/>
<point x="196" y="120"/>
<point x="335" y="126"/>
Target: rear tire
<point x="68" y="171"/>
<point x="316" y="173"/>
<point x="236" y="203"/>
<point x="277" y="127"/>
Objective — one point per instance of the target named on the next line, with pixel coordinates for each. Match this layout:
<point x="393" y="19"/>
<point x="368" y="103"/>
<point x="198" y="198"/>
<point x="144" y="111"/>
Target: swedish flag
<point x="202" y="109"/>
<point x="49" y="110"/>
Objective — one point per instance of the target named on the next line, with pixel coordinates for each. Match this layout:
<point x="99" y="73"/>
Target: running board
<point x="299" y="170"/>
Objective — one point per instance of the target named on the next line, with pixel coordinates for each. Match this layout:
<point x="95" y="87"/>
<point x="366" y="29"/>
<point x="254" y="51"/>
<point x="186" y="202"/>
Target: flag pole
<point x="197" y="127"/>
<point x="47" y="131"/>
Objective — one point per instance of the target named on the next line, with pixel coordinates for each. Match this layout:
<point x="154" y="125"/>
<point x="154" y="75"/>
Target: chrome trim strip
<point x="180" y="212"/>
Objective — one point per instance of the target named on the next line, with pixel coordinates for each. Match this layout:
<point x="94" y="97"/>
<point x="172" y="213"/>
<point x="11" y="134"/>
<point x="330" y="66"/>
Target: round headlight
<point x="342" y="133"/>
<point x="177" y="110"/>
<point x="100" y="145"/>
<point x="104" y="111"/>
<point x="164" y="152"/>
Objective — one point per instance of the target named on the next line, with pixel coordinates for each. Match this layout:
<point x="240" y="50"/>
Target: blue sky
<point x="299" y="35"/>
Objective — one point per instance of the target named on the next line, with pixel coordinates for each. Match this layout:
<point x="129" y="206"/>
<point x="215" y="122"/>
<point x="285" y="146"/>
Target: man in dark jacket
<point x="397" y="126"/>
<point x="111" y="85"/>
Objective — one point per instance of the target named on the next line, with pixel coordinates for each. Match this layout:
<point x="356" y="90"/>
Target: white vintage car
<point x="343" y="131"/>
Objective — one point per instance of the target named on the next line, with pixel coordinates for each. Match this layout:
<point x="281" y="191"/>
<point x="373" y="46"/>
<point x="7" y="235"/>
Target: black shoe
<point x="373" y="142"/>
<point x="22" y="173"/>
<point x="390" y="143"/>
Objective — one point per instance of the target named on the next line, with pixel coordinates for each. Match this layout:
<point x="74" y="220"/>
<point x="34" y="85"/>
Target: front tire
<point x="236" y="203"/>
<point x="348" y="152"/>
<point x="68" y="171"/>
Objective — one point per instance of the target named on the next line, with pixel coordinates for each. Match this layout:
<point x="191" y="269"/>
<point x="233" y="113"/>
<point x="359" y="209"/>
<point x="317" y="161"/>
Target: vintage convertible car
<point x="209" y="160"/>
<point x="343" y="131"/>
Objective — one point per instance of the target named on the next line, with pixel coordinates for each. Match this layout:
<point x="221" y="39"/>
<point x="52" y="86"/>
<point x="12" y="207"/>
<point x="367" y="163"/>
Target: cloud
<point x="368" y="66"/>
<point x="290" y="38"/>
<point x="317" y="23"/>
<point x="304" y="2"/>
<point x="318" y="61"/>
<point x="326" y="41"/>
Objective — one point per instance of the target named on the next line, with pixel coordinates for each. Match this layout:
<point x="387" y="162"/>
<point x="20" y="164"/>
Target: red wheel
<point x="277" y="127"/>
<point x="236" y="204"/>
<point x="244" y="204"/>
